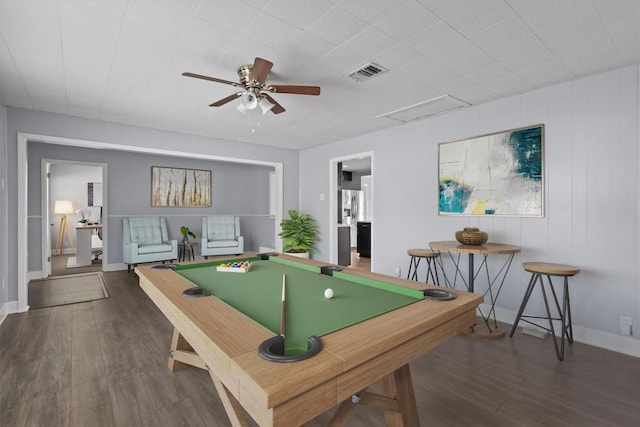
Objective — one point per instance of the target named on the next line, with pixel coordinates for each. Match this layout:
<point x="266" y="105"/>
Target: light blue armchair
<point x="221" y="236"/>
<point x="145" y="239"/>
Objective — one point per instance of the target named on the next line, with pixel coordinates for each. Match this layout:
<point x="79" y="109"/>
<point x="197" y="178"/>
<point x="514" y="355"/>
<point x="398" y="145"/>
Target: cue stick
<point x="282" y="306"/>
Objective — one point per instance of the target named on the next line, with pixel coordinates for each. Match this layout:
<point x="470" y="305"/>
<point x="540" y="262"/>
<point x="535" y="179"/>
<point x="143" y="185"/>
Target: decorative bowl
<point x="472" y="236"/>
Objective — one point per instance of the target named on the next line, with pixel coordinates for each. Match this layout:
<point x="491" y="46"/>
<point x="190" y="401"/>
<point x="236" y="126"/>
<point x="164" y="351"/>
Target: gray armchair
<point x="221" y="236"/>
<point x="145" y="239"/>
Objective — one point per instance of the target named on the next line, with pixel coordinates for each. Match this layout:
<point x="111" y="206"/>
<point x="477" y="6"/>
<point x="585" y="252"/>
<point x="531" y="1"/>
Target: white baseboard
<point x="33" y="275"/>
<point x="618" y="343"/>
<point x="7" y="308"/>
<point x="115" y="267"/>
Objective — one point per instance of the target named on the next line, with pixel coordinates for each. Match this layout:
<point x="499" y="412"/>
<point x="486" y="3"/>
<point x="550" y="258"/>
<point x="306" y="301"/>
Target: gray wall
<point x="42" y="123"/>
<point x="592" y="201"/>
<point x="238" y="189"/>
<point x="4" y="244"/>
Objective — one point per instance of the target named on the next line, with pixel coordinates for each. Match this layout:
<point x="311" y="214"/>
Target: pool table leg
<point x="182" y="355"/>
<point x="396" y="398"/>
<point x="398" y="385"/>
<point x="231" y="405"/>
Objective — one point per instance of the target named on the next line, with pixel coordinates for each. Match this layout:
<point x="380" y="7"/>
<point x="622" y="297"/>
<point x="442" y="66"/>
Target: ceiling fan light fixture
<point x="265" y="106"/>
<point x="249" y="100"/>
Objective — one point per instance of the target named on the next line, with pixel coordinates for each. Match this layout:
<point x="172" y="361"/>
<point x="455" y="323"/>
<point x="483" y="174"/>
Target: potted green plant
<point x="84" y="216"/>
<point x="186" y="233"/>
<point x="299" y="233"/>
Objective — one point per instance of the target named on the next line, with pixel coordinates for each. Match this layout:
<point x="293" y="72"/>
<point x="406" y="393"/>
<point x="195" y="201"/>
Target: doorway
<point x="73" y="206"/>
<point x="352" y="211"/>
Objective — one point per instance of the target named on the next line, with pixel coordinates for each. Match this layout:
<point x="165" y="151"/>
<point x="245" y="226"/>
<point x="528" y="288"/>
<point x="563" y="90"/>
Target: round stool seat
<point x="550" y="269"/>
<point x="537" y="270"/>
<point x="422" y="253"/>
<point x="430" y="257"/>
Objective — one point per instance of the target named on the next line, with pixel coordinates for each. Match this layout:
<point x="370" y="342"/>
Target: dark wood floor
<point x="360" y="263"/>
<point x="59" y="266"/>
<point x="103" y="363"/>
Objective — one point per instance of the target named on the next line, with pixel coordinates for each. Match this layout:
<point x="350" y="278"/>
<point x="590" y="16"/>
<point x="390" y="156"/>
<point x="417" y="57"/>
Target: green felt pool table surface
<point x="257" y="294"/>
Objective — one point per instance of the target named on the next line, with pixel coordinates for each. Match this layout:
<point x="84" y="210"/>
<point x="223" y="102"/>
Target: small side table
<point x="185" y="251"/>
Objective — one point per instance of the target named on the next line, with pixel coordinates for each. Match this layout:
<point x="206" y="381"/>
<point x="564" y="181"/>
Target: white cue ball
<point x="328" y="293"/>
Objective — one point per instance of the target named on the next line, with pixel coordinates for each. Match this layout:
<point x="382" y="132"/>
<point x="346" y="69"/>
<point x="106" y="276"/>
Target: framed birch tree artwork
<point x="176" y="187"/>
<point x="499" y="174"/>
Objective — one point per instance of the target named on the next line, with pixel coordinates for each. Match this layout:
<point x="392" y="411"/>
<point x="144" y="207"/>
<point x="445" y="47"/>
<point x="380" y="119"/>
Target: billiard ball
<point x="328" y="293"/>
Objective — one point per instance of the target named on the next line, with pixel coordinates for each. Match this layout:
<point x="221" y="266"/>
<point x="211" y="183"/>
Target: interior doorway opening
<point x="352" y="211"/>
<point x="73" y="195"/>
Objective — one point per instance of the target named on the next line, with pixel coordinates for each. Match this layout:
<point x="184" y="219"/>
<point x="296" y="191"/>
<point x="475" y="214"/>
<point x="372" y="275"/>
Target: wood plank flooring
<point x="103" y="363"/>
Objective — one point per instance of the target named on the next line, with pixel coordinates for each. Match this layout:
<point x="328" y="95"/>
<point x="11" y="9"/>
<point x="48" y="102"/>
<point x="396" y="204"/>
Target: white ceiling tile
<point x="546" y="73"/>
<point x="84" y="9"/>
<point x="406" y="20"/>
<point x="369" y="42"/>
<point x="300" y="13"/>
<point x="229" y="14"/>
<point x="582" y="65"/>
<point x="164" y="16"/>
<point x="341" y="61"/>
<point x="577" y="38"/>
<point x="469" y="16"/>
<point x="272" y="31"/>
<point x="396" y="56"/>
<point x="337" y="26"/>
<point x="613" y="11"/>
<point x="526" y="59"/>
<point x="445" y="45"/>
<point x="371" y="11"/>
<point x="541" y="15"/>
<point x="242" y="51"/>
<point x="306" y="48"/>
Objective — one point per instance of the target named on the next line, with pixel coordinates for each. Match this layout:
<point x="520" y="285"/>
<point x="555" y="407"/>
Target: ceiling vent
<point x="366" y="72"/>
<point x="430" y="107"/>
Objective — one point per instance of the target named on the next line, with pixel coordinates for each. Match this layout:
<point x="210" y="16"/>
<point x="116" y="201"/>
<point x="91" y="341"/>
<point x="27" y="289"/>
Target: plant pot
<point x="304" y="255"/>
<point x="472" y="236"/>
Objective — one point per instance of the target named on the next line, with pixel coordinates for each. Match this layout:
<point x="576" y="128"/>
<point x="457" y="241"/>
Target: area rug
<point x="63" y="290"/>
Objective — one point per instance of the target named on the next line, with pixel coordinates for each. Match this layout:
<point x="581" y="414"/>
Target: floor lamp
<point x="63" y="207"/>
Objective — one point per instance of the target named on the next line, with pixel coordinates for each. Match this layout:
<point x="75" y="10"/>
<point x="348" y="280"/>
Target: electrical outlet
<point x="626" y="325"/>
<point x="398" y="272"/>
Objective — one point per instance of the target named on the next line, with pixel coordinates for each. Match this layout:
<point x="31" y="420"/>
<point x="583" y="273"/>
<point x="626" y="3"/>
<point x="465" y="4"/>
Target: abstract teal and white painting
<point x="499" y="174"/>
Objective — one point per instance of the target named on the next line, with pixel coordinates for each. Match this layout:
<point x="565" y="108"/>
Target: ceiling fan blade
<point x="300" y="90"/>
<point x="277" y="108"/>
<point x="261" y="68"/>
<point x="212" y="79"/>
<point x="225" y="100"/>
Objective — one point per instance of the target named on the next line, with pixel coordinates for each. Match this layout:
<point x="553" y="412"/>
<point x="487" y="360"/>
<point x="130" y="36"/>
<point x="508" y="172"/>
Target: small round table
<point x="185" y="251"/>
<point x="492" y="329"/>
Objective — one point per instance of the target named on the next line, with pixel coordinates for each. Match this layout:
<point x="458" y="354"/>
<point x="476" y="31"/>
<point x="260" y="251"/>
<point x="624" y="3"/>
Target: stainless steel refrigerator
<point x="353" y="210"/>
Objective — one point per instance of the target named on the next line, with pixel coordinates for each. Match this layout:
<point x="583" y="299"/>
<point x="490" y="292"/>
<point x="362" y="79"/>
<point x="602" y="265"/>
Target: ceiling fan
<point x="255" y="90"/>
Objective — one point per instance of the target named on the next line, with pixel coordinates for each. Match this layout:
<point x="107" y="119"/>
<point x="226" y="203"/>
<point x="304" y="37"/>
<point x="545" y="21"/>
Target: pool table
<point x="370" y="330"/>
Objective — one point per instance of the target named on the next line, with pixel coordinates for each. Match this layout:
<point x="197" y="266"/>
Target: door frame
<point x="333" y="204"/>
<point x="45" y="206"/>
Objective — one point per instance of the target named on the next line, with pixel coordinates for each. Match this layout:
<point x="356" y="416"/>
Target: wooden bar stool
<point x="537" y="270"/>
<point x="429" y="255"/>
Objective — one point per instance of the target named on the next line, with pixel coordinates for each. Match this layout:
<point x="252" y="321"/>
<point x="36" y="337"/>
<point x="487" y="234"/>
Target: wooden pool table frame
<point x="211" y="335"/>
